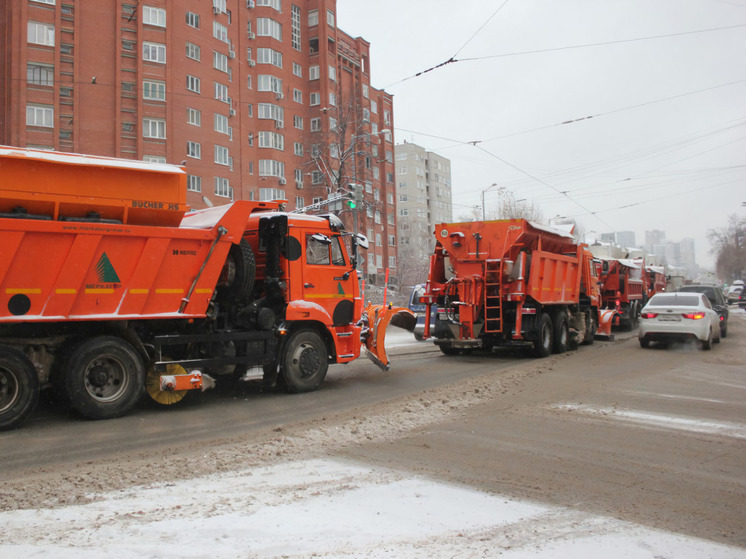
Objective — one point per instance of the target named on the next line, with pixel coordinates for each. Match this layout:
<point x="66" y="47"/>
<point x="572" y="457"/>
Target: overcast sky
<point x="663" y="80"/>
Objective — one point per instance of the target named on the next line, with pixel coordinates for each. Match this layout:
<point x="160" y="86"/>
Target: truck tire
<point x="238" y="274"/>
<point x="591" y="326"/>
<point x="561" y="333"/>
<point x="19" y="388"/>
<point x="103" y="378"/>
<point x="304" y="361"/>
<point x="544" y="336"/>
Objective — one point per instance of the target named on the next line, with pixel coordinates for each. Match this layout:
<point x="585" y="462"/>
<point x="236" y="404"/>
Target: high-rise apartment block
<point x="258" y="99"/>
<point x="423" y="189"/>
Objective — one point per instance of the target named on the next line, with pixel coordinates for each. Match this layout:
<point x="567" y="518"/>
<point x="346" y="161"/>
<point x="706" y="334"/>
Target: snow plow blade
<point x="605" y="321"/>
<point x="379" y="317"/>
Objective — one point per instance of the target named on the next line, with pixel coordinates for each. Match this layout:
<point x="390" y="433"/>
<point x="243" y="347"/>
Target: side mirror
<point x="361" y="240"/>
<point x="323" y="239"/>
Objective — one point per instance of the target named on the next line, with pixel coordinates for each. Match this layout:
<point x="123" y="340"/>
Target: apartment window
<point x="392" y="240"/>
<point x="366" y="115"/>
<point x="40" y="115"/>
<point x="276" y="4"/>
<point x="194" y="117"/>
<point x="315" y="124"/>
<point x="378" y="239"/>
<point x="193" y="84"/>
<point x="220" y="61"/>
<point x="330" y="18"/>
<point x="39" y="74"/>
<point x="298" y="122"/>
<point x="387" y="118"/>
<point x="220" y="31"/>
<point x="365" y="91"/>
<point x="271" y="168"/>
<point x="295" y="38"/>
<point x="317" y="177"/>
<point x="332" y="73"/>
<point x="154" y="159"/>
<point x="269" y="83"/>
<point x="299" y="202"/>
<point x="192" y="51"/>
<point x="154" y="52"/>
<point x="194" y="183"/>
<point x="313" y="73"/>
<point x="192" y="20"/>
<point x="221" y="92"/>
<point x="223" y="188"/>
<point x="297" y="69"/>
<point x="221" y="124"/>
<point x="154" y="91"/>
<point x="154" y="128"/>
<point x="194" y="149"/>
<point x="266" y="27"/>
<point x="313" y="18"/>
<point x="332" y="124"/>
<point x="297" y="95"/>
<point x="40" y="33"/>
<point x="268" y="194"/>
<point x="271" y="140"/>
<point x="299" y="179"/>
<point x="378" y="216"/>
<point x="392" y="261"/>
<point x="269" y="56"/>
<point x="52" y="2"/>
<point x="220" y="6"/>
<point x="221" y="155"/>
<point x="154" y="16"/>
<point x="298" y="149"/>
<point x="404" y="212"/>
<point x="271" y="112"/>
<point x="315" y="99"/>
<point x="332" y="99"/>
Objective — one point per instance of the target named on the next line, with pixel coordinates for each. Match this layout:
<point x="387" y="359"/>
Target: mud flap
<point x="605" y="320"/>
<point x="379" y="317"/>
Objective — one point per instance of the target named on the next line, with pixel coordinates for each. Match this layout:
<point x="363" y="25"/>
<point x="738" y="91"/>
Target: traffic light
<point x="354" y="196"/>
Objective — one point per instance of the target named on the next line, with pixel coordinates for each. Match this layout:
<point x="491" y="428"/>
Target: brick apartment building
<point x="259" y="99"/>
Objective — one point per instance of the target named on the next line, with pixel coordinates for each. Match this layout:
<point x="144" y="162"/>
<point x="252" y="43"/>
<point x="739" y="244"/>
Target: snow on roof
<point x="91" y="160"/>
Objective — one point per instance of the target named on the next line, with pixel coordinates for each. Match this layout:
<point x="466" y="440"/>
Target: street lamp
<point x="490" y="187"/>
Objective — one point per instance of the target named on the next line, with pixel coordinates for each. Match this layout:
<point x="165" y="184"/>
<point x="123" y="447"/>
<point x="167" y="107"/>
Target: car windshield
<point x="674" y="300"/>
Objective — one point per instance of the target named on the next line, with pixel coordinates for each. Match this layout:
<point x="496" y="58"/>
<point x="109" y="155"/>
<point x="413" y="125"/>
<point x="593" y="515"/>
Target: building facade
<point x="423" y="189"/>
<point x="258" y="99"/>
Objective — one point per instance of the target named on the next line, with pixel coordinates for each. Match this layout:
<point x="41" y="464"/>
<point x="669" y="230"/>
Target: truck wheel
<point x="447" y="350"/>
<point x="305" y="362"/>
<point x="19" y="388"/>
<point x="544" y="336"/>
<point x="103" y="378"/>
<point x="591" y="327"/>
<point x="561" y="333"/>
<point x="239" y="272"/>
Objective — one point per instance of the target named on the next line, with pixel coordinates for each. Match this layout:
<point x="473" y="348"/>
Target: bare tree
<point x="508" y="207"/>
<point x="729" y="246"/>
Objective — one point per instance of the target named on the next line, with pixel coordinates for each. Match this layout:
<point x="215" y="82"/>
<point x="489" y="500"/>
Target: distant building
<point x="423" y="190"/>
<point x="259" y="99"/>
<point x="625" y="239"/>
<point x="655" y="237"/>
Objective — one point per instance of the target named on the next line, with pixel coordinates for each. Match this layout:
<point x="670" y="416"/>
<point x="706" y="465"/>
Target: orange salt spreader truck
<point x="109" y="287"/>
<point x="511" y="283"/>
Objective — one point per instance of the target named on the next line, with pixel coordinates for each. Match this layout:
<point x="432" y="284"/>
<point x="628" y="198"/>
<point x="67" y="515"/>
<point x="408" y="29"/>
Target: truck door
<point x="327" y="277"/>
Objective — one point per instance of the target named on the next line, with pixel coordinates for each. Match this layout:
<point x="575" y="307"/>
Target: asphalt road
<point x="652" y="436"/>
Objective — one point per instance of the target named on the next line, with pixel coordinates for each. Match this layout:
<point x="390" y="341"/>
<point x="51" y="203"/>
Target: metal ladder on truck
<point x="493" y="309"/>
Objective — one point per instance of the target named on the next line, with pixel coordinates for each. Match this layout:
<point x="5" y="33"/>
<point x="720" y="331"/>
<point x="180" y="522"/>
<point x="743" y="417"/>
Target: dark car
<point x="717" y="300"/>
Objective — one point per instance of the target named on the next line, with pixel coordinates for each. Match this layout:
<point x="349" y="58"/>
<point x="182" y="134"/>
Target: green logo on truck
<point x="105" y="271"/>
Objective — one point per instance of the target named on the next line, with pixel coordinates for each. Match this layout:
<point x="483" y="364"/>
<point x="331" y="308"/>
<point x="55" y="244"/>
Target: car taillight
<point x="648" y="315"/>
<point x="694" y="315"/>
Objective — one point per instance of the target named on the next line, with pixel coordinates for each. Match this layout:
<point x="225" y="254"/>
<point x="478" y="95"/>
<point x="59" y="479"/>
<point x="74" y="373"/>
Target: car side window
<point x="316" y="252"/>
<point x="706" y="302"/>
<point x="338" y="258"/>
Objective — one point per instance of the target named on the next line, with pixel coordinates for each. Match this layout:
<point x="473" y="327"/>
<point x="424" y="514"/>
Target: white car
<point x="679" y="316"/>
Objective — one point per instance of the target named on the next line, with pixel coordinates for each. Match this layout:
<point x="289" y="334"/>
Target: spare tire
<point x="239" y="273"/>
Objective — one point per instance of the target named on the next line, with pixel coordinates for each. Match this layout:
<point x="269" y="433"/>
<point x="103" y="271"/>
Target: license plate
<point x="665" y="318"/>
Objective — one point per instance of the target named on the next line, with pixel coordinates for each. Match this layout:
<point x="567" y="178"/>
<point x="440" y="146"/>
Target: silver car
<point x="679" y="317"/>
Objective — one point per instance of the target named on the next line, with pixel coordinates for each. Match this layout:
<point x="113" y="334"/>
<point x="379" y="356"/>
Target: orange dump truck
<point x="510" y="283"/>
<point x="110" y="287"/>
